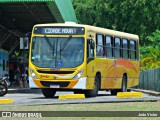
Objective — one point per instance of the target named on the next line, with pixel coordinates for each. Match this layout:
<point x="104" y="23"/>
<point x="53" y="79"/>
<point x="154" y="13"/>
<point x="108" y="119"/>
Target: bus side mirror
<point x="92" y="43"/>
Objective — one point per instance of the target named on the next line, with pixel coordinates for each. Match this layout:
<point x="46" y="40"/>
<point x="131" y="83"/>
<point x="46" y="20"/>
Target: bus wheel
<point x="115" y="91"/>
<point x="94" y="92"/>
<point x="48" y="92"/>
<point x="124" y="84"/>
<point x="123" y="88"/>
<point x="78" y="92"/>
<point x="128" y="90"/>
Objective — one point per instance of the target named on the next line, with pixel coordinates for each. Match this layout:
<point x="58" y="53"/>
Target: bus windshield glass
<point x="55" y="52"/>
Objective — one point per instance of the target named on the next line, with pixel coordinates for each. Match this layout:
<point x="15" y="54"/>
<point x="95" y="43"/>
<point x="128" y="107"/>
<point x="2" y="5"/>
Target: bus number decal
<point x="44" y="76"/>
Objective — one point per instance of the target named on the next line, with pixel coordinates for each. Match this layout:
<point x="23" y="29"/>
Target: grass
<point x="126" y="106"/>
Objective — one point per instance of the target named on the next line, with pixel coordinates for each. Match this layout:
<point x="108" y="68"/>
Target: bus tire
<point x="128" y="90"/>
<point x="115" y="91"/>
<point x="124" y="84"/>
<point x="123" y="88"/>
<point x="78" y="92"/>
<point x="3" y="89"/>
<point x="94" y="92"/>
<point x="48" y="92"/>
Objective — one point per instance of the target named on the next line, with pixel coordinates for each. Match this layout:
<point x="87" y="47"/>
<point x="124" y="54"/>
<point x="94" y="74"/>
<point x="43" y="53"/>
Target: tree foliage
<point x="152" y="60"/>
<point x="151" y="53"/>
<point x="141" y="17"/>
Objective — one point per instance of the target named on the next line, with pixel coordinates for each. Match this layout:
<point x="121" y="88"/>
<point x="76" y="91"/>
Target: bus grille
<point x="61" y="84"/>
<point x="55" y="72"/>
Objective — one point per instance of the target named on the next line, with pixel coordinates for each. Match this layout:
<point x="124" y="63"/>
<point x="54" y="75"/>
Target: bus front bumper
<point x="60" y="84"/>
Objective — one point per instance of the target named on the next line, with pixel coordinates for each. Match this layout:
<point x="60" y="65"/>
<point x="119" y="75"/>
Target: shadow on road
<point x="104" y="95"/>
<point x="55" y="97"/>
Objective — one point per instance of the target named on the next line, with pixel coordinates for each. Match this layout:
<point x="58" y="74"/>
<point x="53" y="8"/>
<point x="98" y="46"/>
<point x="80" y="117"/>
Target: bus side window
<point x="100" y="49"/>
<point x="132" y="50"/>
<point x="90" y="48"/>
<point x="117" y="48"/>
<point x="124" y="49"/>
<point x="109" y="46"/>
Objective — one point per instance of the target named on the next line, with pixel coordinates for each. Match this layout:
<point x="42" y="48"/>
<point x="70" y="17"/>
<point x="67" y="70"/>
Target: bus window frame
<point x="90" y="42"/>
<point x="117" y="48"/>
<point x="111" y="47"/>
<point x="103" y="43"/>
<point x="133" y="49"/>
<point x="127" y="49"/>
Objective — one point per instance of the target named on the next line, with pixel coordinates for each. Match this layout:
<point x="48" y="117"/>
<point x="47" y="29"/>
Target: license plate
<point x="54" y="86"/>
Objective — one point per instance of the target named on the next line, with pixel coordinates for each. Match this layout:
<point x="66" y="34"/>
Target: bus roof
<point x="95" y="29"/>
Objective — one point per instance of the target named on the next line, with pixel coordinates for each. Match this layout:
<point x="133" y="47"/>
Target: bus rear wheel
<point x="94" y="92"/>
<point x="115" y="91"/>
<point x="123" y="86"/>
<point x="48" y="92"/>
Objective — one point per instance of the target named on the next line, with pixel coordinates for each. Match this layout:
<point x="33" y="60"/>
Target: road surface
<point x="39" y="99"/>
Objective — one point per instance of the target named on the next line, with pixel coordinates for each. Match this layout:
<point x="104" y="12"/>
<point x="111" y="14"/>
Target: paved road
<point x="39" y="99"/>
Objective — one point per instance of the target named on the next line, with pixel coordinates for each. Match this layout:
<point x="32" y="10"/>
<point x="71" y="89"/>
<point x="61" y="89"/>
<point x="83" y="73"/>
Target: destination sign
<point x="59" y="30"/>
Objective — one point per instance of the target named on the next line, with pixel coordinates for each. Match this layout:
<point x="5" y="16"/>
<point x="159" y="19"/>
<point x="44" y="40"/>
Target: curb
<point x="25" y="90"/>
<point x="154" y="93"/>
<point x="129" y="95"/>
<point x="6" y="101"/>
<point x="71" y="96"/>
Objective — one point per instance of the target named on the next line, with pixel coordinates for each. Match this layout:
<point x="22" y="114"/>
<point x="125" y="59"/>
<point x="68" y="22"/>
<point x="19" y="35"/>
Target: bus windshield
<point x="55" y="52"/>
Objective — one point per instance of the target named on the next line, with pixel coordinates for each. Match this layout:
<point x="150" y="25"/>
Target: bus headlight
<point x="78" y="75"/>
<point x="33" y="74"/>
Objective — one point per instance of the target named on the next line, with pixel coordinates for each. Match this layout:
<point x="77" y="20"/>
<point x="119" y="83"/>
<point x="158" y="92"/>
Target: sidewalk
<point x="154" y="93"/>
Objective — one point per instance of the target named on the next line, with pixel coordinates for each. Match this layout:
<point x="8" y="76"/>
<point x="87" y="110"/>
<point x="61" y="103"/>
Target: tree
<point x="151" y="53"/>
<point x="90" y="11"/>
<point x="152" y="60"/>
<point x="141" y="17"/>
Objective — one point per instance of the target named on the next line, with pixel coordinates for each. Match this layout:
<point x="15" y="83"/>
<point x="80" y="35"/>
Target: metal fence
<point x="150" y="80"/>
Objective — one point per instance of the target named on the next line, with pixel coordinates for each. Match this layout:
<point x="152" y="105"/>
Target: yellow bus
<point x="83" y="59"/>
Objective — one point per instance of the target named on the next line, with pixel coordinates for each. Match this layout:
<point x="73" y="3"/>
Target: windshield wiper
<point x="49" y="43"/>
<point x="62" y="47"/>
